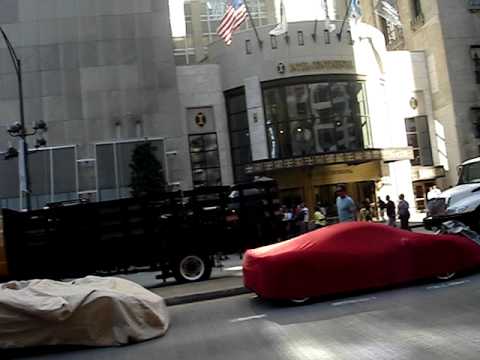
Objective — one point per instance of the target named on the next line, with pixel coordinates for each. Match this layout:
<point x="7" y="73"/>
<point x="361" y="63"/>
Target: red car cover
<point x="353" y="256"/>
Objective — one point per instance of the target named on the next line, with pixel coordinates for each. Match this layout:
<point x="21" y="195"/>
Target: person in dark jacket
<point x="391" y="213"/>
<point x="382" y="205"/>
<point x="403" y="212"/>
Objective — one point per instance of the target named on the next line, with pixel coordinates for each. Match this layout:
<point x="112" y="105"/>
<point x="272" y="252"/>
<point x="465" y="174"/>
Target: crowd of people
<point x="347" y="210"/>
<point x="299" y="219"/>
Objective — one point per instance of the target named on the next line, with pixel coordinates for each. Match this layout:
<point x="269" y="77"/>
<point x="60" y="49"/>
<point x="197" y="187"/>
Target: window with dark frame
<point x="350" y="37"/>
<point x="417" y="8"/>
<point x="273" y="41"/>
<point x="239" y="134"/>
<point x="418" y="138"/>
<point x="301" y="40"/>
<point x="326" y="35"/>
<point x="418" y="20"/>
<point x="205" y="160"/>
<point x="412" y="140"/>
<point x="475" y="54"/>
<point x="248" y="47"/>
<point x="314" y="118"/>
<point x="475" y="113"/>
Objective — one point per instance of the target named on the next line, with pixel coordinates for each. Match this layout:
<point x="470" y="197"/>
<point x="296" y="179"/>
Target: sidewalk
<point x="225" y="281"/>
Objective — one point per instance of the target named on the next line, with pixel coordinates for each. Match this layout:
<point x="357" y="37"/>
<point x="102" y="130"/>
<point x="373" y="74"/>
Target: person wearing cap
<point x="345" y="205"/>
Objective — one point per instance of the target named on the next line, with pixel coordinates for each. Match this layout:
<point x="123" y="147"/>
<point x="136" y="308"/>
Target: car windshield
<point x="470" y="173"/>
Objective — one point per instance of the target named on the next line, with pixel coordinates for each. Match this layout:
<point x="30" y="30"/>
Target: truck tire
<point x="192" y="268"/>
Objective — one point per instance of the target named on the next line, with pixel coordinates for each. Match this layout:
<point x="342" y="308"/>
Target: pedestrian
<point x="303" y="218"/>
<point x="345" y="206"/>
<point x="319" y="219"/>
<point x="391" y="214"/>
<point x="382" y="205"/>
<point x="434" y="193"/>
<point x="403" y="212"/>
<point x="366" y="210"/>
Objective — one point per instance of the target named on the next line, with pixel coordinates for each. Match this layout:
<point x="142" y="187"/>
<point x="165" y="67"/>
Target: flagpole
<point x="260" y="42"/>
<point x="339" y="34"/>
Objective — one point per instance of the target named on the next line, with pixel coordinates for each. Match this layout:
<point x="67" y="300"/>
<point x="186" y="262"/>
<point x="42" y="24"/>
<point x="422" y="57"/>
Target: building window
<point x="418" y="20"/>
<point x="416" y="8"/>
<point x="350" y="38"/>
<point x="205" y="160"/>
<point x="315" y="118"/>
<point x="475" y="111"/>
<point x="273" y="41"/>
<point x="239" y="134"/>
<point x="326" y="35"/>
<point x="475" y="55"/>
<point x="248" y="47"/>
<point x="418" y="137"/>
<point x="301" y="40"/>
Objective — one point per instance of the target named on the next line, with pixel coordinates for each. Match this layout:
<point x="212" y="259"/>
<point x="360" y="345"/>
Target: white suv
<point x="461" y="202"/>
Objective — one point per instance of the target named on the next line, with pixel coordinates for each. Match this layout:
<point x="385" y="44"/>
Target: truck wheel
<point x="191" y="268"/>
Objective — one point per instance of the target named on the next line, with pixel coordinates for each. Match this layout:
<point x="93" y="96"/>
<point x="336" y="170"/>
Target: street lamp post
<point x="21" y="133"/>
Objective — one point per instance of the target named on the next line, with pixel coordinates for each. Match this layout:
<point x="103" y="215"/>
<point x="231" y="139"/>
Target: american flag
<point x="235" y="15"/>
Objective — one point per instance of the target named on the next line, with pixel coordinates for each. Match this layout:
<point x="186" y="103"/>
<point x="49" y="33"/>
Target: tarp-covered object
<point x="354" y="256"/>
<point x="91" y="311"/>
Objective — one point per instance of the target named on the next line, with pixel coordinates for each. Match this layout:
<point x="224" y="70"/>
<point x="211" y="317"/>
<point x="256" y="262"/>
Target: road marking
<point x="356" y="301"/>
<point x="447" y="285"/>
<point x="248" y="318"/>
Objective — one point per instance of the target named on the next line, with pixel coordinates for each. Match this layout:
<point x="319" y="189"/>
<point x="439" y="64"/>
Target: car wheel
<point x="446" y="276"/>
<point x="191" y="268"/>
<point x="300" y="301"/>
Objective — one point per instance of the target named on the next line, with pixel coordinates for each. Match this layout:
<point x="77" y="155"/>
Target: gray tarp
<point x="92" y="311"/>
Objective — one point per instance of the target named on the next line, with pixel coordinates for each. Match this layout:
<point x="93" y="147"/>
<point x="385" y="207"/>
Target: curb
<point x="204" y="296"/>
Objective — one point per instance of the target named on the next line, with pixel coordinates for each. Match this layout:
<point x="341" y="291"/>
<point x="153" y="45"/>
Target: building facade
<point x="309" y="108"/>
<point x="312" y="111"/>
<point x="100" y="73"/>
<point x="447" y="32"/>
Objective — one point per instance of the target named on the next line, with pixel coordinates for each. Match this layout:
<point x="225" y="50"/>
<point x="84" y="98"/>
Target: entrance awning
<point x="350" y="157"/>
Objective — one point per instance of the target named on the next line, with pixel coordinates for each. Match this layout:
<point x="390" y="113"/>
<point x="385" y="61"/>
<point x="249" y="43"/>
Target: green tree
<point x="146" y="172"/>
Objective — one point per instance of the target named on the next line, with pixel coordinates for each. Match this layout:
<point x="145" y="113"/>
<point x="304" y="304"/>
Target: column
<point x="256" y="120"/>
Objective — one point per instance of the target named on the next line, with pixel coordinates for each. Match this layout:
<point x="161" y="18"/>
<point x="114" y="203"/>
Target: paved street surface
<point x="428" y="321"/>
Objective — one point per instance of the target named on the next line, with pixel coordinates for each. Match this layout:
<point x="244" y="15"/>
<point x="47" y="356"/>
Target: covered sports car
<point x="91" y="311"/>
<point x="354" y="256"/>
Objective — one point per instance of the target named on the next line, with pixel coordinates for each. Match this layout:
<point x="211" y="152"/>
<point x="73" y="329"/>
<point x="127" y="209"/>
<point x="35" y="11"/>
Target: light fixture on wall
<point x="475" y="55"/>
<point x="475" y="116"/>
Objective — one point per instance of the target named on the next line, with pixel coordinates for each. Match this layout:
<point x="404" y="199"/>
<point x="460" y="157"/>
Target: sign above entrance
<point x="324" y="65"/>
<point x="201" y="120"/>
<point x="387" y="155"/>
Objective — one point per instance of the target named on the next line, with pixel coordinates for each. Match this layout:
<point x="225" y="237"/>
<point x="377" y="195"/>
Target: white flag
<point x="282" y="27"/>
<point x="328" y="24"/>
<point x="387" y="9"/>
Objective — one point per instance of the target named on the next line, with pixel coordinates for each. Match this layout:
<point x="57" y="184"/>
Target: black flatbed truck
<point x="178" y="234"/>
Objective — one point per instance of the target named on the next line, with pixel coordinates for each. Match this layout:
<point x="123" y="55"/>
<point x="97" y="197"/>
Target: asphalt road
<point x="428" y="321"/>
